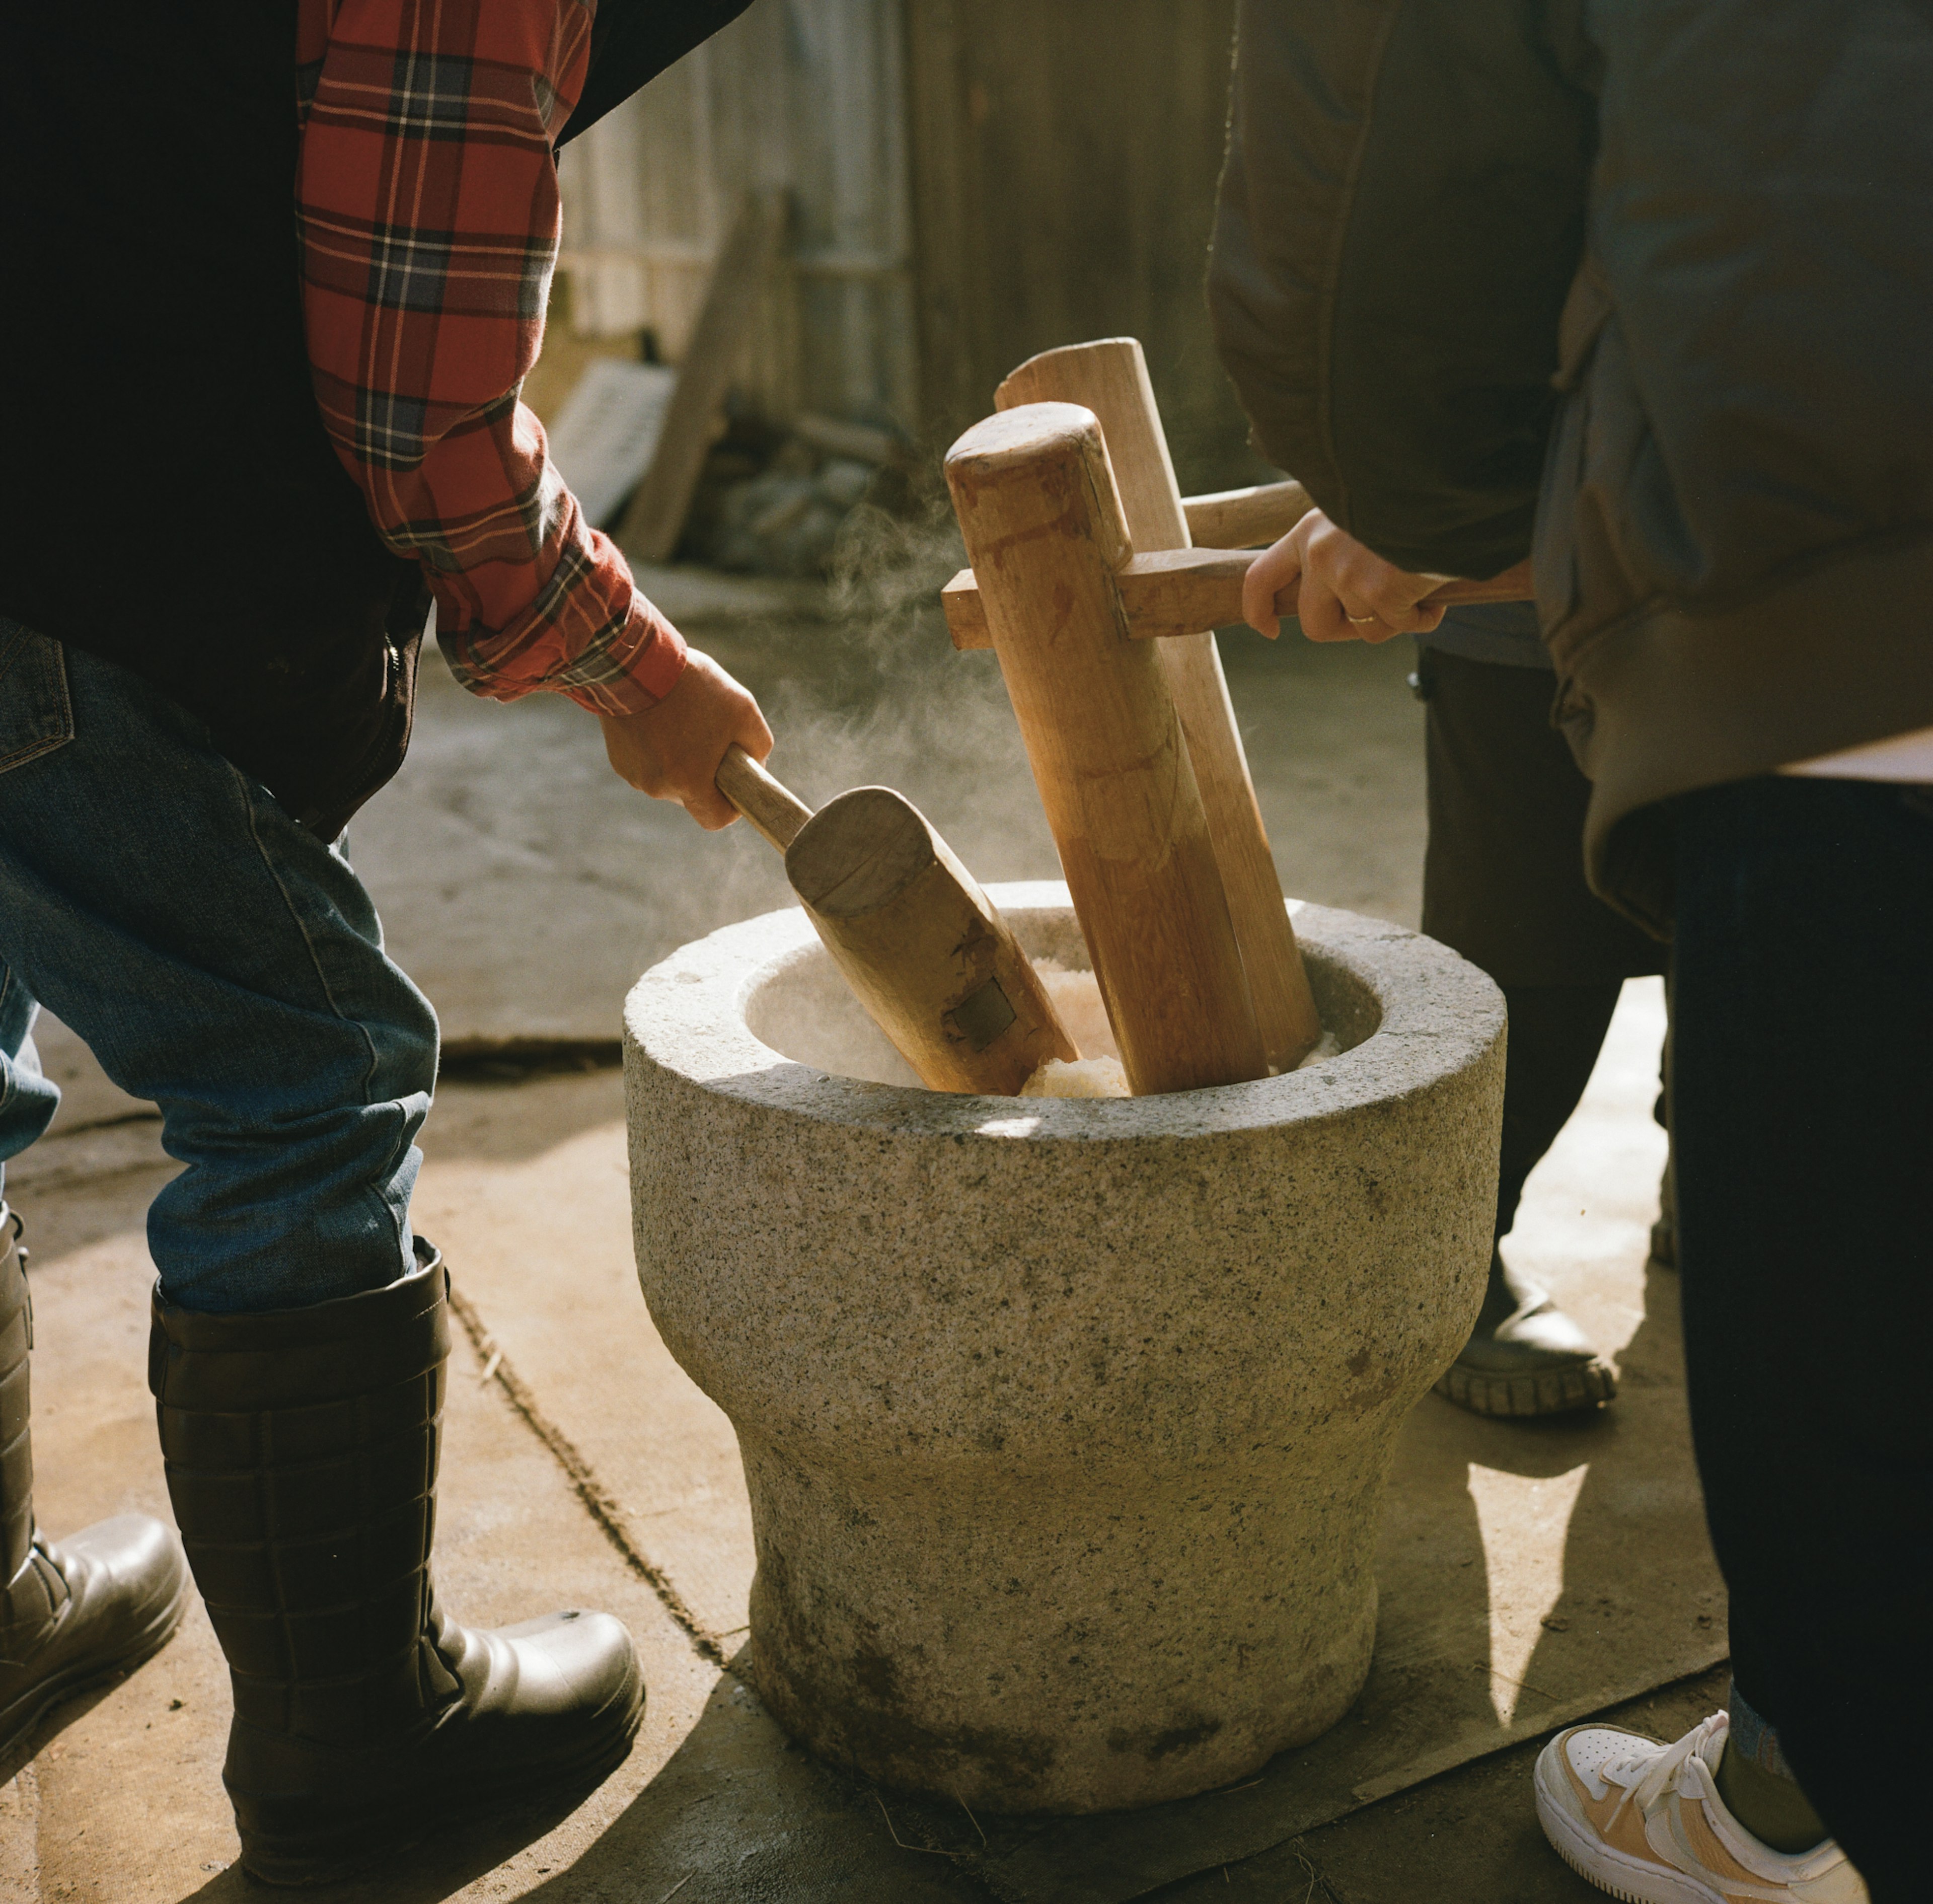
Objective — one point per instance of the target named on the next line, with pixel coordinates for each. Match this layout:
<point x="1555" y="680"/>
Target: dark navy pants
<point x="1802" y="1111"/>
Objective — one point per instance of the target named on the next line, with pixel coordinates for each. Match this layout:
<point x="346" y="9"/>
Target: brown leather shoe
<point x="74" y="1612"/>
<point x="301" y="1448"/>
<point x="1525" y="1357"/>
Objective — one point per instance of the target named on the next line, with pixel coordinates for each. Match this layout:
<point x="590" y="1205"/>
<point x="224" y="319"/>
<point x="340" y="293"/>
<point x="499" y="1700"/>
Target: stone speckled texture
<point x="1064" y="1423"/>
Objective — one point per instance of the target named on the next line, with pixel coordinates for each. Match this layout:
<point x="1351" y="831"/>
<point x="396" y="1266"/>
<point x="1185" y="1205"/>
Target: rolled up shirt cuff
<point x="634" y="670"/>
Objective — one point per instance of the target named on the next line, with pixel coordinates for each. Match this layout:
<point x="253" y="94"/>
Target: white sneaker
<point x="1645" y="1822"/>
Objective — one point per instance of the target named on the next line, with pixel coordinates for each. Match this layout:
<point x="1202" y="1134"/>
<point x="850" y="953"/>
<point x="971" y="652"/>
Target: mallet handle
<point x="1180" y="591"/>
<point x="1246" y="519"/>
<point x="774" y="809"/>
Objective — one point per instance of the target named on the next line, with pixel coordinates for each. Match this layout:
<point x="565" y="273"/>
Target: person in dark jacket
<point x="1641" y="293"/>
<point x="1503" y="885"/>
<point x="279" y="271"/>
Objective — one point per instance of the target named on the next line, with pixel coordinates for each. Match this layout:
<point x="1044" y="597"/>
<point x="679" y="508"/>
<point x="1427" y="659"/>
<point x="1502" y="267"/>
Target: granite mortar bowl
<point x="1066" y="1423"/>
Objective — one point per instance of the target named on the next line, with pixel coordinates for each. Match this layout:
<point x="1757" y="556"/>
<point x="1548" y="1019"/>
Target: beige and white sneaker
<point x="1645" y="1822"/>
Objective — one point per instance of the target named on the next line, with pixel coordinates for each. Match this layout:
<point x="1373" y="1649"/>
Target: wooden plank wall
<point x="1064" y="158"/>
<point x="807" y="94"/>
<point x="973" y="181"/>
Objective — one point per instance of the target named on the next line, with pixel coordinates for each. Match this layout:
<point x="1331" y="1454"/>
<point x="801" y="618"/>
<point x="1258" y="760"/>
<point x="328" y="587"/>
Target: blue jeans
<point x="1801" y="1087"/>
<point x="222" y="962"/>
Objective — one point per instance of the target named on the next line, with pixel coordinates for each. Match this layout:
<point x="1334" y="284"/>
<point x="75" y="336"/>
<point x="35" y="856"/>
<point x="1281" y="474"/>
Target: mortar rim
<point x="685" y="1019"/>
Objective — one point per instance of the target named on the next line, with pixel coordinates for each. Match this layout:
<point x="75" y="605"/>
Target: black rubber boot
<point x="77" y="1611"/>
<point x="301" y="1449"/>
<point x="1525" y="1357"/>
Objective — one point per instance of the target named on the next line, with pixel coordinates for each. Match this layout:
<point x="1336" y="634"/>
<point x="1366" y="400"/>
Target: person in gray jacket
<point x="1641" y="293"/>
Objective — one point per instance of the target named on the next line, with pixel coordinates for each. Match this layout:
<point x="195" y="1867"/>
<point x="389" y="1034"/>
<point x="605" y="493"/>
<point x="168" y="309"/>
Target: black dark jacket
<point x="168" y="497"/>
<point x="1653" y="277"/>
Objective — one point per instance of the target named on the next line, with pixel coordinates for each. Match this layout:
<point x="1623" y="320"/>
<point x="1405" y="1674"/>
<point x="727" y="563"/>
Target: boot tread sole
<point x="344" y="1846"/>
<point x="1550" y="1391"/>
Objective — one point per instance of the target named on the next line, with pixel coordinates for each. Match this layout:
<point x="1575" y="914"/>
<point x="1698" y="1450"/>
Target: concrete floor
<point x="527" y="888"/>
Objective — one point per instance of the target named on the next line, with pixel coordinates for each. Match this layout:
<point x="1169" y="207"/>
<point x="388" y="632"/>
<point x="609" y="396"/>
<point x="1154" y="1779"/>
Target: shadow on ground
<point x="736" y="1815"/>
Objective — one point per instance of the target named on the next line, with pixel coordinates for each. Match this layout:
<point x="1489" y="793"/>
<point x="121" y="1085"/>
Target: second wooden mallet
<point x="924" y="949"/>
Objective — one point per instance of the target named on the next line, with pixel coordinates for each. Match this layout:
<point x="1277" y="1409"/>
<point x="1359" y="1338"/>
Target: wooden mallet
<point x="924" y="950"/>
<point x="1085" y="584"/>
<point x="1110" y="377"/>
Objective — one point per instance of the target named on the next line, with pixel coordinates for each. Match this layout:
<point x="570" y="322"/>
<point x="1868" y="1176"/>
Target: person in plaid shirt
<point x="282" y="269"/>
<point x="427" y="201"/>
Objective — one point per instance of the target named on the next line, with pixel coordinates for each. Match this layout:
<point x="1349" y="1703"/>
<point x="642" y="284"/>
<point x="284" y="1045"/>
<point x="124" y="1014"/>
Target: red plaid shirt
<point x="427" y="201"/>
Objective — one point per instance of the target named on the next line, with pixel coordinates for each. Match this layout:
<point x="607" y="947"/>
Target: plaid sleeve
<point x="427" y="202"/>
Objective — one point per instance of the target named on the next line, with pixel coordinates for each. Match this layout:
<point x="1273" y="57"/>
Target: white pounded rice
<point x="1077" y="997"/>
<point x="1086" y="1077"/>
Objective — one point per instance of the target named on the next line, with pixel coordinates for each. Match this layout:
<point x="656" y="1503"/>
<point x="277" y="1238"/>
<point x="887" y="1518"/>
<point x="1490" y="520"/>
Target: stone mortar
<point x="1066" y="1423"/>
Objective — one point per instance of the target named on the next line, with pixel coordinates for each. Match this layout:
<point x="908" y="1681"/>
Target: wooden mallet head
<point x="924" y="949"/>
